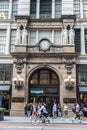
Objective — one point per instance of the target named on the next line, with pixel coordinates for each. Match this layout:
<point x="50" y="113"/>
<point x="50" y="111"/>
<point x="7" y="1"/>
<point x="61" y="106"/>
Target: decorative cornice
<point x="65" y="55"/>
<point x="43" y="54"/>
<point x="18" y="54"/>
<point x="68" y="17"/>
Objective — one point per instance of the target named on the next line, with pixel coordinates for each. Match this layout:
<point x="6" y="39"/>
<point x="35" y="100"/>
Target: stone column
<point x="19" y="84"/>
<point x="38" y="9"/>
<point x="81" y="9"/>
<point x="36" y="36"/>
<point x="52" y="36"/>
<point x="82" y="41"/>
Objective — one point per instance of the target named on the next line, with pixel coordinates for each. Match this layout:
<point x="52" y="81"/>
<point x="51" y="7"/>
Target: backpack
<point x="74" y="108"/>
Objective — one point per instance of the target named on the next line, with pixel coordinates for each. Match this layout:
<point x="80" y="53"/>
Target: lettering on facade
<point x="69" y="100"/>
<point x="18" y="99"/>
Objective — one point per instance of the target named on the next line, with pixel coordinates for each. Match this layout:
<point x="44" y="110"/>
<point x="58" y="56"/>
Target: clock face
<point x="44" y="45"/>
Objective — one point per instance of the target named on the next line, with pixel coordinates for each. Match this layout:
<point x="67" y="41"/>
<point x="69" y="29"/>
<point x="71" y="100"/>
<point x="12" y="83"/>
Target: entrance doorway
<point x="45" y="99"/>
<point x="49" y="100"/>
<point x="44" y="86"/>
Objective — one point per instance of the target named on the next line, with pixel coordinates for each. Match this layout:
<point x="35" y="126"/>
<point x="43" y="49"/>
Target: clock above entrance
<point x="44" y="44"/>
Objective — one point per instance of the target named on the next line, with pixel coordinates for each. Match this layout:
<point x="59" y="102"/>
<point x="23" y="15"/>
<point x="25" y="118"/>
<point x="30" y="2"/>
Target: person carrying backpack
<point x="74" y="108"/>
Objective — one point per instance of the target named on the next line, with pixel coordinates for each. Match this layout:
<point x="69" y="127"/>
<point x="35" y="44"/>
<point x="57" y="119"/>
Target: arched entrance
<point x="44" y="86"/>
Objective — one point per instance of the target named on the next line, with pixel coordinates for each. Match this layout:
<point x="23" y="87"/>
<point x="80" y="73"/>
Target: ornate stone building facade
<point x="43" y="62"/>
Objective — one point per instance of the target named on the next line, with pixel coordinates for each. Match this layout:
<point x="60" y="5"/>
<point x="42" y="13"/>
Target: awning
<point x="5" y="87"/>
<point x="83" y="89"/>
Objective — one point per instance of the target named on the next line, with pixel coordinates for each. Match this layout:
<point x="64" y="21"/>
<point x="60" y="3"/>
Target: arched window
<point x="44" y="77"/>
<point x="43" y="84"/>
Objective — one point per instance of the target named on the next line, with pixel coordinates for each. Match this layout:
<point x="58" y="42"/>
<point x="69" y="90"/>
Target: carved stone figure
<point x="24" y="36"/>
<point x="71" y="36"/>
<point x="18" y="36"/>
<point x="65" y="36"/>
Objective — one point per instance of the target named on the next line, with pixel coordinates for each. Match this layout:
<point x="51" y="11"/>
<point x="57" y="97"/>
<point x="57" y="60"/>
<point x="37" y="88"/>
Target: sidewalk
<point x="24" y="123"/>
<point x="58" y="120"/>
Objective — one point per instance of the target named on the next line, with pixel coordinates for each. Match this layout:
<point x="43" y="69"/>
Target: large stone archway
<point x="43" y="82"/>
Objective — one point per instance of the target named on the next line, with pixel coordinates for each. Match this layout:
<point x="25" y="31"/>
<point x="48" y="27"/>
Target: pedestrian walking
<point x="79" y="112"/>
<point x="54" y="110"/>
<point x="65" y="110"/>
<point x="59" y="110"/>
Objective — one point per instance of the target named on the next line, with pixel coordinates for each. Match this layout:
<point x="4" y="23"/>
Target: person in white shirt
<point x="42" y="110"/>
<point x="65" y="109"/>
<point x="54" y="109"/>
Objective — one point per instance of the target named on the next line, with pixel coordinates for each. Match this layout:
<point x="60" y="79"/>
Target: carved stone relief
<point x="19" y="64"/>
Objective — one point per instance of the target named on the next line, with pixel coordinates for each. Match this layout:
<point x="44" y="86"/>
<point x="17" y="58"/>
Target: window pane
<point x="57" y="37"/>
<point x="14" y="8"/>
<point x="32" y="37"/>
<point x="2" y="75"/>
<point x="33" y="6"/>
<point x="85" y="8"/>
<point x="34" y="79"/>
<point x="82" y="77"/>
<point x="5" y="72"/>
<point x="86" y="41"/>
<point x="45" y="34"/>
<point x="2" y="41"/>
<point x="77" y="8"/>
<point x="44" y="77"/>
<point x="51" y="90"/>
<point x="13" y="35"/>
<point x="54" y="79"/>
<point x="4" y="7"/>
<point x="57" y="8"/>
<point x="45" y="9"/>
<point x="77" y="41"/>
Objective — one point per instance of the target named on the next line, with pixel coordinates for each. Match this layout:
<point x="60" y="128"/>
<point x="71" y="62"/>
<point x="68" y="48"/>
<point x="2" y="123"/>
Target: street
<point x="24" y="123"/>
<point x="27" y="126"/>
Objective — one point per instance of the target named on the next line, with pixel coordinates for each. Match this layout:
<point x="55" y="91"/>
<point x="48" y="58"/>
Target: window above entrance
<point x="44" y="77"/>
<point x="43" y="84"/>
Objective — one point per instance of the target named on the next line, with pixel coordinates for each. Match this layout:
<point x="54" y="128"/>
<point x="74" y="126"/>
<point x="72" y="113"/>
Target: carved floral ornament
<point x="19" y="64"/>
<point x="69" y="82"/>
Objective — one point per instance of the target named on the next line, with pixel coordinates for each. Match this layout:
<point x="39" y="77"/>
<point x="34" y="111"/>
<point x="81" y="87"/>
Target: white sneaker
<point x="72" y="120"/>
<point x="79" y="121"/>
